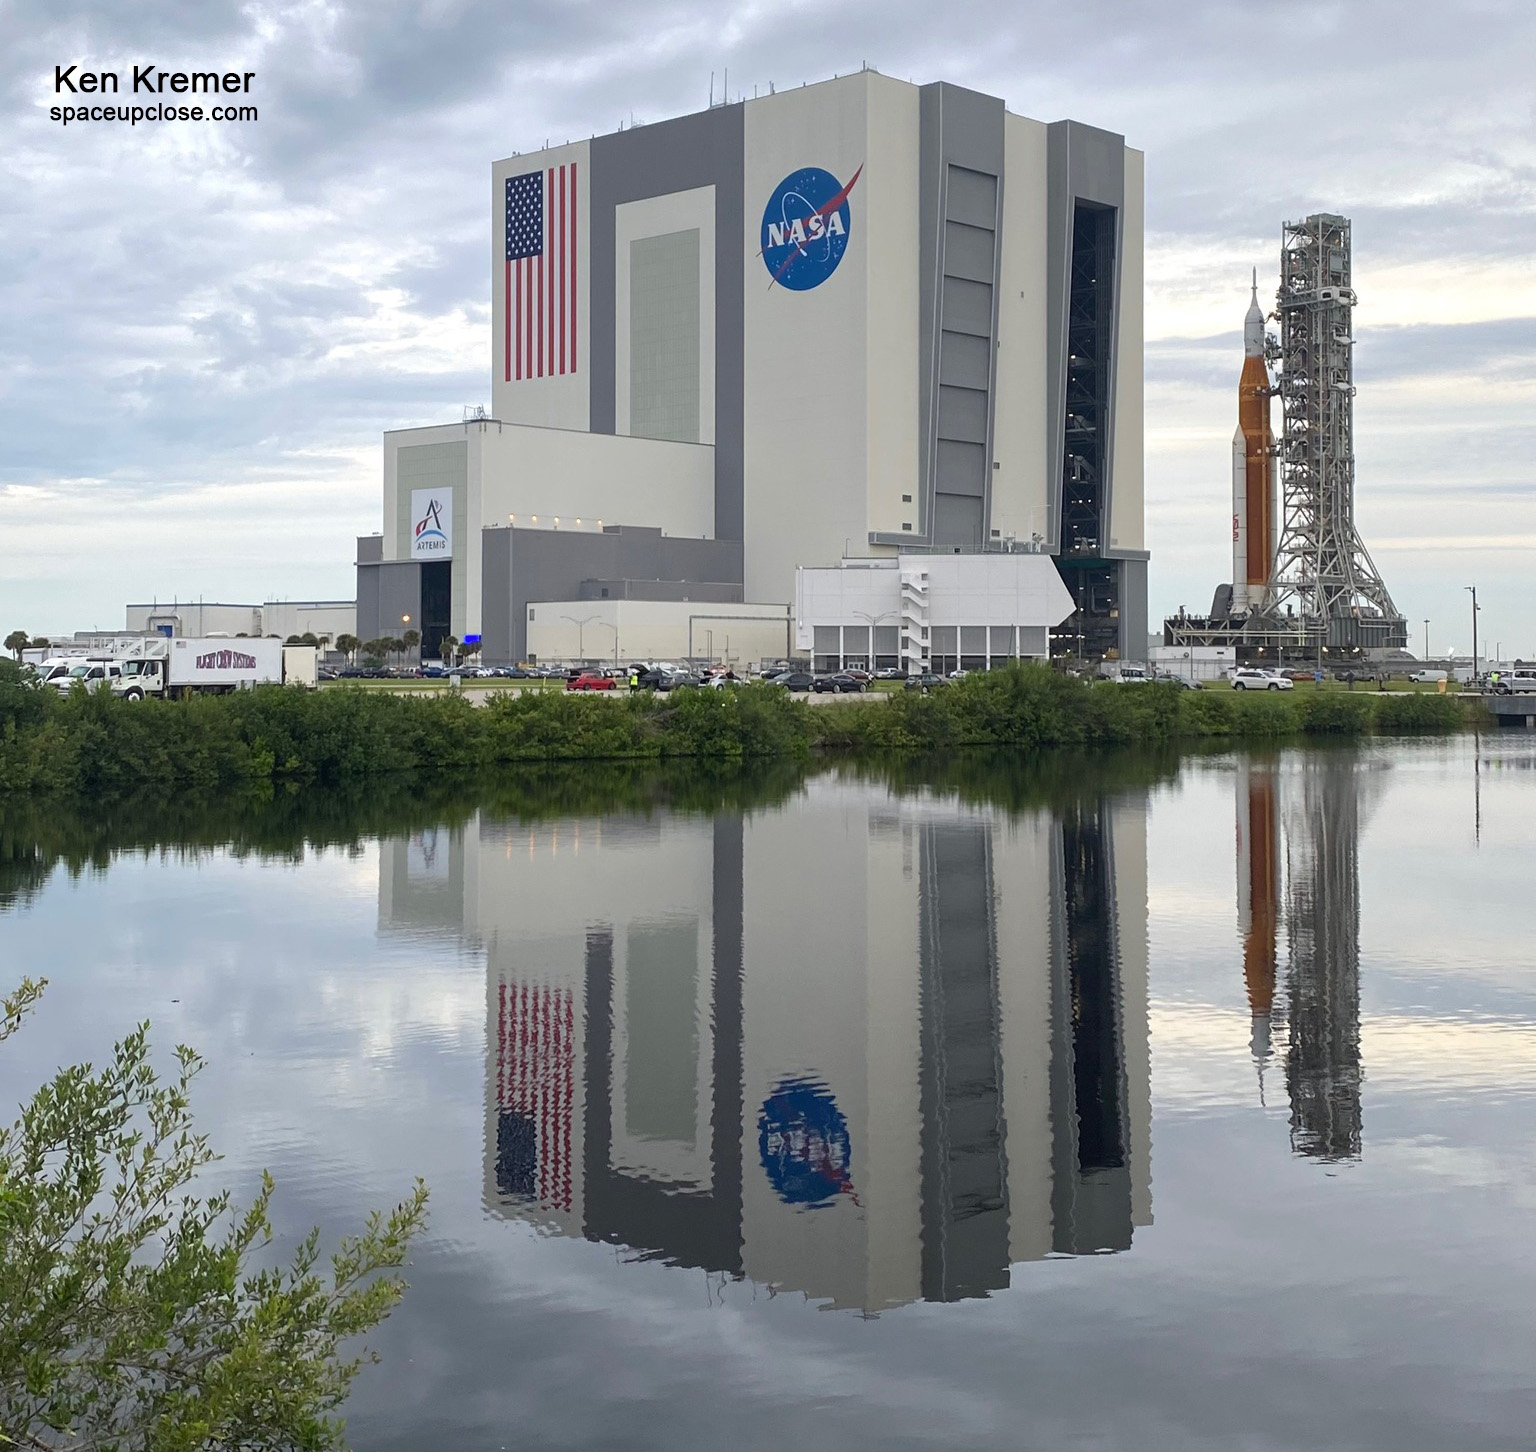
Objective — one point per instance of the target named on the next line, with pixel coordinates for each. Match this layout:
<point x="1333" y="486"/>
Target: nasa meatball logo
<point x="805" y="228"/>
<point x="803" y="1142"/>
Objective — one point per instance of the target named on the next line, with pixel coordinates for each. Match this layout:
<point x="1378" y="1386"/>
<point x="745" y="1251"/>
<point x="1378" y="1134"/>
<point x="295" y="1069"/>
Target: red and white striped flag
<point x="535" y="1091"/>
<point x="541" y="273"/>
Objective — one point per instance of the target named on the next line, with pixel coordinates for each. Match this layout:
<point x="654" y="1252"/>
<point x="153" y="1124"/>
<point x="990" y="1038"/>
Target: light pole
<point x="874" y="621"/>
<point x="586" y="620"/>
<point x="1426" y="642"/>
<point x="1473" y="590"/>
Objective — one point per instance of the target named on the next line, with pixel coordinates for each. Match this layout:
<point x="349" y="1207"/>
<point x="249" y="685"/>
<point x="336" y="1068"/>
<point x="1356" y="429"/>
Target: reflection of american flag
<point x="535" y="1087"/>
<point x="540" y="292"/>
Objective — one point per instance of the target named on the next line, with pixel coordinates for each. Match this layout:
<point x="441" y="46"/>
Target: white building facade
<point x="929" y="612"/>
<point x="860" y="319"/>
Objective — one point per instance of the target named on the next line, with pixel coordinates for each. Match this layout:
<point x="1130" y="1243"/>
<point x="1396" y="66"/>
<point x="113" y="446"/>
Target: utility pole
<point x="1473" y="589"/>
<point x="1426" y="642"/>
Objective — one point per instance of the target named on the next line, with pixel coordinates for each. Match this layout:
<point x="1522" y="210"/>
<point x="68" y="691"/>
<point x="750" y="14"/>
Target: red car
<point x="590" y="681"/>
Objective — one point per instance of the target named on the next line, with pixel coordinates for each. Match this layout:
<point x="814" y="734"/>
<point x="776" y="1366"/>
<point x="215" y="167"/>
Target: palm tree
<point x="16" y="642"/>
<point x="412" y="639"/>
<point x="348" y="645"/>
<point x="450" y="645"/>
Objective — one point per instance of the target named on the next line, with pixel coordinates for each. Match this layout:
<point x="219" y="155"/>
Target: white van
<point x="1430" y="676"/>
<point x="92" y="674"/>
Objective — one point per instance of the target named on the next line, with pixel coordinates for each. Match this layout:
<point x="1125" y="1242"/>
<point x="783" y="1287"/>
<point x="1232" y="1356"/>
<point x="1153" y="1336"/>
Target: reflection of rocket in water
<point x="1258" y="893"/>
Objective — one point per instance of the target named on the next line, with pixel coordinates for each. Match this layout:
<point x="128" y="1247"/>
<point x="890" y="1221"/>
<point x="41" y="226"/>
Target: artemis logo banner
<point x="431" y="524"/>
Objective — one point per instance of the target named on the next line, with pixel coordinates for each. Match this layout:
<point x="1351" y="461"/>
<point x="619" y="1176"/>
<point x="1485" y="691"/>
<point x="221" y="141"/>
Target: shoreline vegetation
<point x="101" y="745"/>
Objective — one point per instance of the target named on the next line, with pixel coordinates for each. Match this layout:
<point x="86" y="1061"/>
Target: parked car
<point x="843" y="683"/>
<point x="959" y="675"/>
<point x="891" y="673"/>
<point x="926" y="681"/>
<point x="1427" y="675"/>
<point x="795" y="680"/>
<point x="1167" y="678"/>
<point x="1515" y="682"/>
<point x="589" y="681"/>
<point x="1247" y="679"/>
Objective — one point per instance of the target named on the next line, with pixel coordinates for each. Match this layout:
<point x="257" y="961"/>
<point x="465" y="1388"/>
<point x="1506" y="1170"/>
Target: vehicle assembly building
<point x="862" y="319"/>
<point x="1302" y="579"/>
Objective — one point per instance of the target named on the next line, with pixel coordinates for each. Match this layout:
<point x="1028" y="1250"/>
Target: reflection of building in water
<point x="1322" y="1063"/>
<point x="1321" y="794"/>
<point x="873" y="1049"/>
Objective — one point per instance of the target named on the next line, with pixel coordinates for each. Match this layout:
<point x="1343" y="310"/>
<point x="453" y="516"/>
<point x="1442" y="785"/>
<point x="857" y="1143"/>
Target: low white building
<point x="328" y="618"/>
<point x="1194" y="662"/>
<point x="929" y="611"/>
<point x="621" y="631"/>
<point x="193" y="618"/>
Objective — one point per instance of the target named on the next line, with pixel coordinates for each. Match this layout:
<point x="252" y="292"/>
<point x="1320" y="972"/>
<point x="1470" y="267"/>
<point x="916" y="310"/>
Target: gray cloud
<point x="210" y="306"/>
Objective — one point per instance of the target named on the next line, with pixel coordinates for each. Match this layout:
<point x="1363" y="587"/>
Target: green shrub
<point x="98" y="744"/>
<point x="1416" y="711"/>
<point x="1334" y="713"/>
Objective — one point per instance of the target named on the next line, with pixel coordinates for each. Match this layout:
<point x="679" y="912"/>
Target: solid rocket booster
<point x="1253" y="495"/>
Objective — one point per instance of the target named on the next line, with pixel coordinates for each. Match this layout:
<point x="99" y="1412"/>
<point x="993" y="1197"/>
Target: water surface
<point x="1130" y="1104"/>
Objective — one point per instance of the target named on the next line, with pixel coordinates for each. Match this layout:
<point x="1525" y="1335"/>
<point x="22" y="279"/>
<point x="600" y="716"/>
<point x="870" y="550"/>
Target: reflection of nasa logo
<point x="805" y="228"/>
<point x="802" y="1138"/>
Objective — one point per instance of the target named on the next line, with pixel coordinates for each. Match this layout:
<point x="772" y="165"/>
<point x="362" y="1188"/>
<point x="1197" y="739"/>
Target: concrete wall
<point x="526" y="565"/>
<point x="320" y="617"/>
<point x="1127" y="512"/>
<point x="807" y="358"/>
<point x="1022" y="484"/>
<point x="195" y="618"/>
<point x="556" y="400"/>
<point x="616" y="632"/>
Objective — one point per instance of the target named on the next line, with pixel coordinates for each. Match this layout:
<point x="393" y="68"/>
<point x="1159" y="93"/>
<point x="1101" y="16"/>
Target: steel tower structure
<point x="1323" y="574"/>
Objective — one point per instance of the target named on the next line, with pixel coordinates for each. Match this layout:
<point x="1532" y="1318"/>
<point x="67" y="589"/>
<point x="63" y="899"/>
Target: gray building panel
<point x="386" y="592"/>
<point x="664" y="337"/>
<point x="1133" y="609"/>
<point x="960" y="189"/>
<point x="713" y="592"/>
<point x="705" y="149"/>
<point x="523" y="566"/>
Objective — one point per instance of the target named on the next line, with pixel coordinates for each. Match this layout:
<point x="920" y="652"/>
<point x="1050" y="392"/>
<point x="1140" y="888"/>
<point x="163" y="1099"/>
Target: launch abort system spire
<point x="1322" y="570"/>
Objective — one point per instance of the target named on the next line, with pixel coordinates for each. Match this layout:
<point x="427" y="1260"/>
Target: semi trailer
<point x="186" y="665"/>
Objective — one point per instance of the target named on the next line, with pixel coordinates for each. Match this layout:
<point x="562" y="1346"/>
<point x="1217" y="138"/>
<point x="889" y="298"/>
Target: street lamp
<point x="581" y="649"/>
<point x="1426" y="642"/>
<point x="874" y="621"/>
<point x="1473" y="590"/>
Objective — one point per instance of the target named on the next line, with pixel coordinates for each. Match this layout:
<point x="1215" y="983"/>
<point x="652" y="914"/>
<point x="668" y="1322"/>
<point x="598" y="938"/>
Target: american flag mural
<point x="540" y="292"/>
<point x="535" y="1090"/>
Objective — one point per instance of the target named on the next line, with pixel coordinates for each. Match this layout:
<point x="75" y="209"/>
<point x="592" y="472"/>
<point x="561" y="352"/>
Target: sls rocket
<point x="1253" y="491"/>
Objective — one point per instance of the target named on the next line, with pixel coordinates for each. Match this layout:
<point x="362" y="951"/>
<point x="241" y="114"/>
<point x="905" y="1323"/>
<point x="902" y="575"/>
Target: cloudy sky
<point x="206" y="328"/>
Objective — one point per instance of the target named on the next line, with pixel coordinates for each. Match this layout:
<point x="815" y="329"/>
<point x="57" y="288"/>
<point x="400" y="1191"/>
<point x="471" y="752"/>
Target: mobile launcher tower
<point x="1303" y="580"/>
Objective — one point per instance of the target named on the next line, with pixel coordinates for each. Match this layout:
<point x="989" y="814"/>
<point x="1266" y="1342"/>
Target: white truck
<point x="215" y="665"/>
